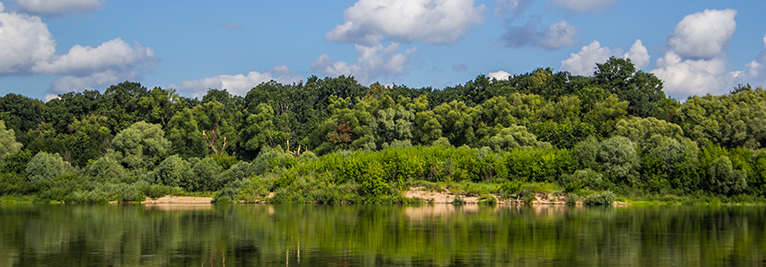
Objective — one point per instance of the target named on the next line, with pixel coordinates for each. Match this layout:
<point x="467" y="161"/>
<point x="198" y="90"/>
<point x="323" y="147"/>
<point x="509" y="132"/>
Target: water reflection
<point x="375" y="235"/>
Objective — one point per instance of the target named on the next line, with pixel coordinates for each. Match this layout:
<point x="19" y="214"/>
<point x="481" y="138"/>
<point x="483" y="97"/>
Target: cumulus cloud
<point x="696" y="63"/>
<point x="115" y="54"/>
<point x="370" y="22"/>
<point x="554" y="37"/>
<point x="60" y="7"/>
<point x="516" y="7"/>
<point x="238" y="84"/>
<point x="24" y="40"/>
<point x="584" y="62"/>
<point x="756" y="71"/>
<point x="27" y="48"/>
<point x="578" y="6"/>
<point x="499" y="75"/>
<point x="684" y="77"/>
<point x="638" y="54"/>
<point x="372" y="62"/>
<point x="703" y="35"/>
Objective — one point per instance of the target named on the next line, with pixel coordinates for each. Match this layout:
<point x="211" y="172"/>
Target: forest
<point x="333" y="140"/>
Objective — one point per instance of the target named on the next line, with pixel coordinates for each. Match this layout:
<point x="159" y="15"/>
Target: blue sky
<point x="49" y="47"/>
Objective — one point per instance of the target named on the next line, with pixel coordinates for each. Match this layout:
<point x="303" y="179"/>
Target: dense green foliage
<point x="332" y="139"/>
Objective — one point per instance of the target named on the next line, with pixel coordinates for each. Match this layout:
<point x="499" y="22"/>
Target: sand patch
<point x="446" y="197"/>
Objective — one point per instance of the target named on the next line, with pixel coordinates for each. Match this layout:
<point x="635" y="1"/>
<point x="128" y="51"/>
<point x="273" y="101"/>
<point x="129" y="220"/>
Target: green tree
<point x="8" y="144"/>
<point x="511" y="137"/>
<point x="640" y="130"/>
<point x="141" y="145"/>
<point x="185" y="136"/>
<point x="586" y="153"/>
<point x="619" y="159"/>
<point x="205" y="176"/>
<point x="90" y="138"/>
<point x="106" y="168"/>
<point x="46" y="166"/>
<point x="642" y="90"/>
<point x="604" y="115"/>
<point x="260" y="129"/>
<point x="173" y="171"/>
<point x="724" y="179"/>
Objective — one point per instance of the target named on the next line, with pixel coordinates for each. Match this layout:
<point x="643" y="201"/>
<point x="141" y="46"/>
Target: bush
<point x="526" y="195"/>
<point x="572" y="200"/>
<point x="487" y="199"/>
<point x="458" y="200"/>
<point x="603" y="199"/>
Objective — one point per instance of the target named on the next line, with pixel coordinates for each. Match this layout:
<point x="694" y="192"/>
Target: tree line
<point x="614" y="130"/>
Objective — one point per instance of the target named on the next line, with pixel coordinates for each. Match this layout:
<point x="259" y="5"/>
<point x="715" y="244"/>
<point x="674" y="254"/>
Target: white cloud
<point x="584" y="62"/>
<point x="696" y="63"/>
<point x="703" y="35"/>
<point x="638" y="54"/>
<point x="684" y="77"/>
<point x="24" y="40"/>
<point x="27" y="48"/>
<point x="91" y="81"/>
<point x="60" y="7"/>
<point x="556" y="36"/>
<point x="372" y="62"/>
<point x="581" y="5"/>
<point x="370" y="22"/>
<point x="514" y="6"/>
<point x="238" y="84"/>
<point x="756" y="71"/>
<point x="82" y="60"/>
<point x="499" y="75"/>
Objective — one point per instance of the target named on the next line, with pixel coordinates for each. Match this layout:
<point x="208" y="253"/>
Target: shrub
<point x="603" y="199"/>
<point x="526" y="195"/>
<point x="458" y="200"/>
<point x="572" y="200"/>
<point x="487" y="199"/>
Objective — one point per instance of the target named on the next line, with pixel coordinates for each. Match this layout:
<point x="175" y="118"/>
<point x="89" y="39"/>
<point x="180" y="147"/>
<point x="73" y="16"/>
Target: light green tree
<point x="8" y="144"/>
<point x="173" y="171"/>
<point x="46" y="166"/>
<point x="619" y="159"/>
<point x="141" y="145"/>
<point x="105" y="167"/>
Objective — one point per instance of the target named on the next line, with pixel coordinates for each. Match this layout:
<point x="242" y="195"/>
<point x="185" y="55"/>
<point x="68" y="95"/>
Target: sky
<point x="49" y="47"/>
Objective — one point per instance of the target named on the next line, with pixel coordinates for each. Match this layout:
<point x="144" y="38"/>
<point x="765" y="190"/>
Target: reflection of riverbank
<point x="442" y="211"/>
<point x="178" y="200"/>
<point x="438" y="211"/>
<point x="175" y="203"/>
<point x="178" y="207"/>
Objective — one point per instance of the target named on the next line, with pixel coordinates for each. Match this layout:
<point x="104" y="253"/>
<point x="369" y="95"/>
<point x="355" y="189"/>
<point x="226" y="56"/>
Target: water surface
<point x="379" y="235"/>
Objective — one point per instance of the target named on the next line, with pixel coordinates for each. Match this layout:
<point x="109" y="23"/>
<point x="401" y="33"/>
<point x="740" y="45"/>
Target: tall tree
<point x="642" y="90"/>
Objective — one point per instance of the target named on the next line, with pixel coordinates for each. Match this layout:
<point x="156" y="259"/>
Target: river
<point x="380" y="235"/>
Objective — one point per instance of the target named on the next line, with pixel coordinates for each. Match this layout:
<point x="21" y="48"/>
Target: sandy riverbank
<point x="446" y="197"/>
